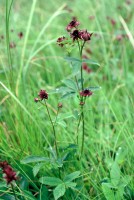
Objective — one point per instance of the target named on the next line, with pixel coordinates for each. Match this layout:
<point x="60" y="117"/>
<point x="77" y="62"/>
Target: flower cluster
<point x="86" y="68"/>
<point x="75" y="33"/>
<point x="20" y="35"/>
<point x="10" y="174"/>
<point x="86" y="93"/>
<point x="61" y="41"/>
<point x="42" y="94"/>
<point x="73" y="24"/>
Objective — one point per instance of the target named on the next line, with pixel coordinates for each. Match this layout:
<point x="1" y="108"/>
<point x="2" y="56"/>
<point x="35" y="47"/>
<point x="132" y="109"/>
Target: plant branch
<point x="52" y="127"/>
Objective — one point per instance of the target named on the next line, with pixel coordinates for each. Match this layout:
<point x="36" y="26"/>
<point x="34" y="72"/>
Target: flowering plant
<point x="74" y="87"/>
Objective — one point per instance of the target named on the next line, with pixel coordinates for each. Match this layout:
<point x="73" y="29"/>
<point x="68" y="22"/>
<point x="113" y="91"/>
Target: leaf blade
<point x="59" y="191"/>
<point x="51" y="181"/>
<point x="32" y="159"/>
<point x="72" y="176"/>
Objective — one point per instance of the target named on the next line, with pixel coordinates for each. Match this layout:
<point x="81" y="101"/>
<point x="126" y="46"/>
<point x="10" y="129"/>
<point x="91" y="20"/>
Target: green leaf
<point x="62" y="123"/>
<point x="60" y="90"/>
<point x="115" y="174"/>
<point x="76" y="68"/>
<point x="64" y="116"/>
<point x="23" y="183"/>
<point x="68" y="94"/>
<point x="59" y="191"/>
<point x="120" y="155"/>
<point x="71" y="184"/>
<point x="37" y="168"/>
<point x="72" y="59"/>
<point x="3" y="184"/>
<point x="76" y="114"/>
<point x="7" y="197"/>
<point x="28" y="195"/>
<point x="72" y="176"/>
<point x="71" y="84"/>
<point x="125" y="181"/>
<point x="94" y="88"/>
<point x="108" y="193"/>
<point x="52" y="181"/>
<point x="91" y="62"/>
<point x="119" y="193"/>
<point x="33" y="159"/>
<point x="43" y="193"/>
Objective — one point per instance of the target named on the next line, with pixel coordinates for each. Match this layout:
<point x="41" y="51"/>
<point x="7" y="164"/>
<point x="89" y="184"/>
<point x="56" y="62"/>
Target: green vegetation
<point x="30" y="60"/>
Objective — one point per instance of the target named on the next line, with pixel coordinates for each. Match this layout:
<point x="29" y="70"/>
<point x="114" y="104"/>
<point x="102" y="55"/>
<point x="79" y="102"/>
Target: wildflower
<point x="89" y="70"/>
<point x="3" y="164"/>
<point x="88" y="51"/>
<point x="119" y="37"/>
<point x="92" y="17"/>
<point x="10" y="174"/>
<point x="12" y="45"/>
<point x="36" y="100"/>
<point x="76" y="35"/>
<point x="113" y="22"/>
<point x="43" y="94"/>
<point x="82" y="103"/>
<point x="60" y="105"/>
<point x="85" y="35"/>
<point x="2" y="37"/>
<point x="128" y="2"/>
<point x="86" y="68"/>
<point x="73" y="24"/>
<point x="60" y="40"/>
<point x="20" y="35"/>
<point x="86" y="93"/>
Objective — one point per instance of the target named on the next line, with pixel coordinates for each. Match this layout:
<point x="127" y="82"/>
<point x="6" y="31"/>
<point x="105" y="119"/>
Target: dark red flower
<point x="113" y="22"/>
<point x="86" y="93"/>
<point x="88" y="51"/>
<point x="36" y="100"/>
<point x="43" y="94"/>
<point x="76" y="35"/>
<point x="86" y="68"/>
<point x="60" y="105"/>
<point x="20" y="35"/>
<point x="61" y="40"/>
<point x="119" y="37"/>
<point x="12" y="45"/>
<point x="92" y="17"/>
<point x="2" y="37"/>
<point x="73" y="24"/>
<point x="89" y="70"/>
<point x="128" y="2"/>
<point x="82" y="103"/>
<point x="3" y="164"/>
<point x="85" y="35"/>
<point x="10" y="174"/>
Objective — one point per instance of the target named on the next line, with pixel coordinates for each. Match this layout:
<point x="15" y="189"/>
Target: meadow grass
<point x="37" y="63"/>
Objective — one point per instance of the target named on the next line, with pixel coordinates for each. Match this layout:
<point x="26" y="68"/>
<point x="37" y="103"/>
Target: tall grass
<point x="37" y="63"/>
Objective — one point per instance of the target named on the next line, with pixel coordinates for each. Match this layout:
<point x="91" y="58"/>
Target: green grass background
<point x="37" y="63"/>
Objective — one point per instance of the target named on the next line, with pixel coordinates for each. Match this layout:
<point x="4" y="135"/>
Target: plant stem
<point x="55" y="141"/>
<point x="56" y="116"/>
<point x="83" y="131"/>
<point x="8" y="11"/>
<point x="13" y="191"/>
<point x="82" y="100"/>
<point x="77" y="129"/>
